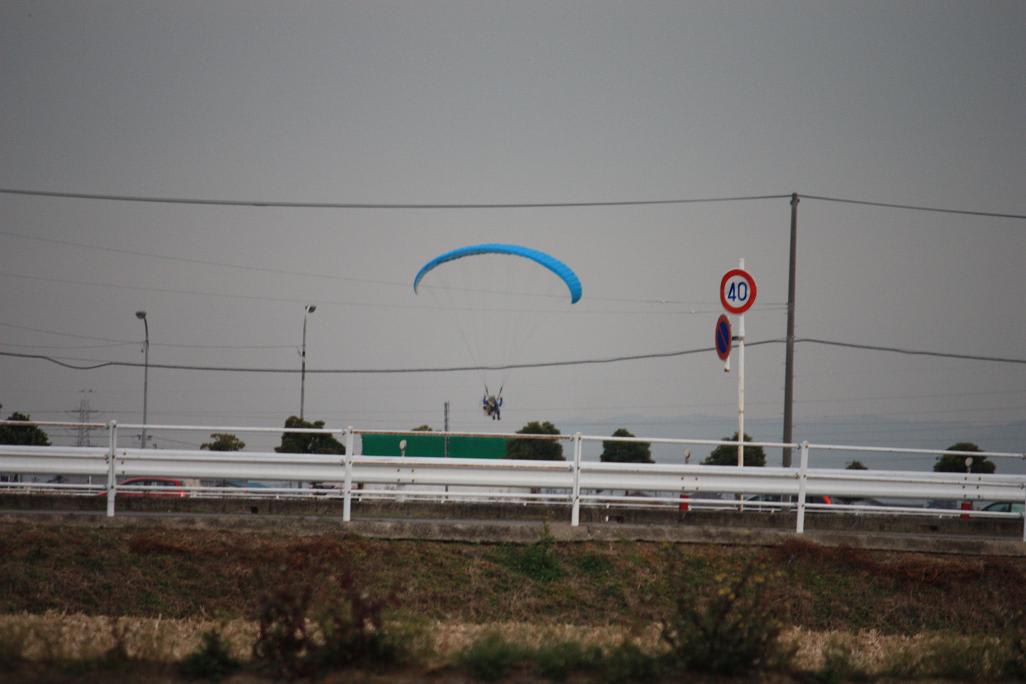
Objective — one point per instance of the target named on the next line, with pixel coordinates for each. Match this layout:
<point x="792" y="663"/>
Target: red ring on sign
<point x="751" y="285"/>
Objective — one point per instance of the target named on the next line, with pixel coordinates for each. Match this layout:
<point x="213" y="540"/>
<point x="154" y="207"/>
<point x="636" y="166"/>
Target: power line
<point x="543" y="364"/>
<point x="911" y="352"/>
<point x="481" y="205"/>
<point x="376" y="205"/>
<point x="377" y="371"/>
<point x="913" y="207"/>
<point x="107" y="345"/>
<point x="121" y="343"/>
<point x="63" y="334"/>
<point x="330" y="276"/>
<point x="339" y="302"/>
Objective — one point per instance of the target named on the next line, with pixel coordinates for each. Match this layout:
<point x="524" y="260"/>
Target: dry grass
<point x="72" y="594"/>
<point x="77" y="637"/>
<point x="55" y="637"/>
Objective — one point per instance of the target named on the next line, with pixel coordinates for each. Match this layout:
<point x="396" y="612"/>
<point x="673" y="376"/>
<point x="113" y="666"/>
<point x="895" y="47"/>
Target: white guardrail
<point x="575" y="482"/>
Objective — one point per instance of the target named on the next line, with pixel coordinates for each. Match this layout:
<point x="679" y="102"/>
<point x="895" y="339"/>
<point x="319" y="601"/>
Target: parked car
<point x="168" y="486"/>
<point x="1005" y="507"/>
<point x="778" y="502"/>
<point x="236" y="484"/>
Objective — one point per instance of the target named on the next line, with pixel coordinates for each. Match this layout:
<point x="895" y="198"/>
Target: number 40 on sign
<point x="737" y="291"/>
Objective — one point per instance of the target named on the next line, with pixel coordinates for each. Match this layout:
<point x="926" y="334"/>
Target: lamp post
<point x="310" y="308"/>
<point x="141" y="315"/>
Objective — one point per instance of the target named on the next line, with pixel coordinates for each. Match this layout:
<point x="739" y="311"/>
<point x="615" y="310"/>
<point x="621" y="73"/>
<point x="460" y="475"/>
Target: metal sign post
<point x="737" y="294"/>
<point x="741" y="382"/>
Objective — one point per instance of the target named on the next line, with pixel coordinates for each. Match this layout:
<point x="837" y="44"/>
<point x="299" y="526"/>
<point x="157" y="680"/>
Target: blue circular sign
<point x="724" y="338"/>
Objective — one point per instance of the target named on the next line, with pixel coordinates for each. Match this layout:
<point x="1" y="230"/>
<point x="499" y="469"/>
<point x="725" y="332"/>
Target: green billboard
<point x="434" y="446"/>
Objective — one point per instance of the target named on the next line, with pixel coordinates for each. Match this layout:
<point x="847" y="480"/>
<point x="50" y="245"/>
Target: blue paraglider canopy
<point x="564" y="272"/>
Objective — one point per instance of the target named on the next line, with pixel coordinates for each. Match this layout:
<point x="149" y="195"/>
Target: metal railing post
<point x="575" y="516"/>
<point x="112" y="435"/>
<point x="803" y="476"/>
<point x="347" y="489"/>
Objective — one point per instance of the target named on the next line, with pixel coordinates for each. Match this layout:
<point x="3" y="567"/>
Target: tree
<point x="224" y="441"/>
<point x="626" y="452"/>
<point x="955" y="463"/>
<point x="423" y="428"/>
<point x="536" y="449"/>
<point x="856" y="465"/>
<point x="727" y="454"/>
<point x="22" y="435"/>
<point x="308" y="443"/>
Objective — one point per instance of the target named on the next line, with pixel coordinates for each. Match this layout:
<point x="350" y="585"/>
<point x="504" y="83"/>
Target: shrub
<point x="558" y="661"/>
<point x="348" y="629"/>
<point x="839" y="664"/>
<point x="283" y="643"/>
<point x="13" y="637"/>
<point x="1011" y="624"/>
<point x="211" y="661"/>
<point x="353" y="630"/>
<point x="491" y="657"/>
<point x="628" y="663"/>
<point x="537" y="560"/>
<point x="726" y="630"/>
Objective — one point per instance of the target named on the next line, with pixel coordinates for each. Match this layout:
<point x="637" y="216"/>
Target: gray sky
<point x="448" y="102"/>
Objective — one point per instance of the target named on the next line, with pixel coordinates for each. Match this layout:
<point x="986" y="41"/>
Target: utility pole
<point x="141" y="315"/>
<point x="789" y="354"/>
<point x="310" y="308"/>
<point x="445" y="429"/>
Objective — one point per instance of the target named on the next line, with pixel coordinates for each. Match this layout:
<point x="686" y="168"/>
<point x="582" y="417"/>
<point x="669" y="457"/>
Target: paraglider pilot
<point x="492" y="405"/>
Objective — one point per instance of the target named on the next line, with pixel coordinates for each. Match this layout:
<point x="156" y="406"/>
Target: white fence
<point x="575" y="482"/>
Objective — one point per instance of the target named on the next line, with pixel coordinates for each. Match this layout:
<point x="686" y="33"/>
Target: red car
<point x="168" y="486"/>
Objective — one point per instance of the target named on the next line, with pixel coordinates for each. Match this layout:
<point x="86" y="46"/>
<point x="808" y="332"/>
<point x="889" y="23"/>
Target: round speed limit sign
<point x="737" y="291"/>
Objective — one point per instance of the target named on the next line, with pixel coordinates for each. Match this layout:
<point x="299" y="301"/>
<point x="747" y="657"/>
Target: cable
<point x="331" y="276"/>
<point x="206" y="293"/>
<point x="913" y="207"/>
<point x="203" y="262"/>
<point x="61" y="334"/>
<point x="375" y="205"/>
<point x="71" y="346"/>
<point x="102" y="364"/>
<point x="375" y="371"/>
<point x="542" y="364"/>
<point x="911" y="352"/>
<point x="120" y="343"/>
<point x="484" y="205"/>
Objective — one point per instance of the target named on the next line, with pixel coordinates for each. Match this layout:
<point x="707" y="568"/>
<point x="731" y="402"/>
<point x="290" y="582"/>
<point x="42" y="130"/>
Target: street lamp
<point x="310" y="308"/>
<point x="141" y="315"/>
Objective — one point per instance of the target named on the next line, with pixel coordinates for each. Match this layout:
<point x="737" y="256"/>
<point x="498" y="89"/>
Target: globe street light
<point x="141" y="315"/>
<point x="310" y="308"/>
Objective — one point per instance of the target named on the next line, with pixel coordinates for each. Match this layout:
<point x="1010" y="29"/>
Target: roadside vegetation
<point x="213" y="605"/>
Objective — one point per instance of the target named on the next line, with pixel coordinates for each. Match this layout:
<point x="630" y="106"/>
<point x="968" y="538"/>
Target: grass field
<point x="72" y="596"/>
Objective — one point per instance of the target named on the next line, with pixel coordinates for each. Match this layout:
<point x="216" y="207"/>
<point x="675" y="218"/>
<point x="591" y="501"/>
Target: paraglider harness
<point x="491" y="404"/>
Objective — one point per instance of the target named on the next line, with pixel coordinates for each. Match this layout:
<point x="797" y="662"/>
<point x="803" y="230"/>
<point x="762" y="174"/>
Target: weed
<point x="537" y="560"/>
<point x="558" y="661"/>
<point x="628" y="663"/>
<point x="352" y="630"/>
<point x="13" y="637"/>
<point x="839" y="665"/>
<point x="347" y="629"/>
<point x="1011" y="624"/>
<point x="284" y="643"/>
<point x="491" y="657"/>
<point x="726" y="629"/>
<point x="593" y="564"/>
<point x="212" y="661"/>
